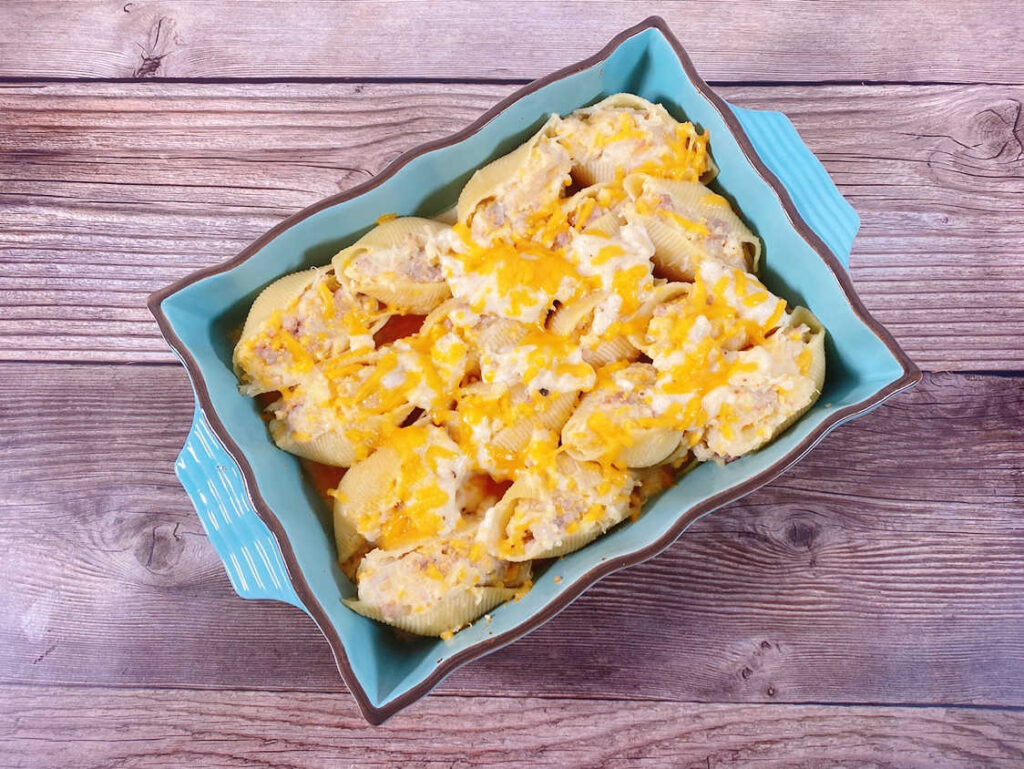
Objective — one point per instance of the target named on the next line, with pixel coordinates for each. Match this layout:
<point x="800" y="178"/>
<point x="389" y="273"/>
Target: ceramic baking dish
<point x="270" y="527"/>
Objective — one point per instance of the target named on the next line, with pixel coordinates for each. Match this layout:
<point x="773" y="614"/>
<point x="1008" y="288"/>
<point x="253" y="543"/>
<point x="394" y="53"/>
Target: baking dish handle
<point x="214" y="483"/>
<point x="813" y="192"/>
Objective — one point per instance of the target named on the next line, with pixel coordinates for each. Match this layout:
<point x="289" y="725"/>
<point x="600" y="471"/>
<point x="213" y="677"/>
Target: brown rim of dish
<point x="376" y="715"/>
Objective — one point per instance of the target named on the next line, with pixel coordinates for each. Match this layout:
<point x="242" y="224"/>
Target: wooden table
<point x="866" y="609"/>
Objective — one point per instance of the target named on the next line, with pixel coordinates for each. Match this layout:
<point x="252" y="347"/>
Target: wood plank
<point x="887" y="567"/>
<point x="78" y="726"/>
<point x="950" y="40"/>
<point x="108" y="192"/>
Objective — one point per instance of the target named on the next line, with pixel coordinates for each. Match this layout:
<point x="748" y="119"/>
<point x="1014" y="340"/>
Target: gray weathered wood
<point x="108" y="192"/>
<point x="888" y="566"/>
<point x="78" y="727"/>
<point x="947" y="40"/>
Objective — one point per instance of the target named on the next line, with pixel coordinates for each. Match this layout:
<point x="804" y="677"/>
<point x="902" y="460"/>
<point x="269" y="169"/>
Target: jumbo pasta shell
<point x="555" y="411"/>
<point x="484" y="183"/>
<point x="443" y="312"/>
<point x="444" y="315"/>
<point x="492" y="338"/>
<point x="589" y="171"/>
<point x="328" y="449"/>
<point x="600" y="171"/>
<point x="629" y="101"/>
<point x="675" y="256"/>
<point x="572" y="542"/>
<point x="678" y="249"/>
<point x="816" y="371"/>
<point x="367" y="490"/>
<point x="398" y="291"/>
<point x="650" y="447"/>
<point x="663" y="293"/>
<point x="611" y="351"/>
<point x="574" y="206"/>
<point x="501" y="334"/>
<point x="816" y="343"/>
<point x="347" y="539"/>
<point x="607" y="223"/>
<point x="493" y="530"/>
<point x="568" y="318"/>
<point x="410" y="297"/>
<point x="644" y="446"/>
<point x="333" y="447"/>
<point x="449" y="615"/>
<point x="572" y="318"/>
<point x="498" y="517"/>
<point x="386" y="235"/>
<point x="279" y="295"/>
<point x="660" y="294"/>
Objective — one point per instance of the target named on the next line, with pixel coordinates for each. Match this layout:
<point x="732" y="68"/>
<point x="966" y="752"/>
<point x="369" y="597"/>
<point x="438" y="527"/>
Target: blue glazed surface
<point x="204" y="314"/>
<point x="804" y="177"/>
<point x="214" y="483"/>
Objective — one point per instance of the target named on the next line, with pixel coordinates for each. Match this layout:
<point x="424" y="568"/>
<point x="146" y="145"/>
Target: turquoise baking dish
<point x="266" y="521"/>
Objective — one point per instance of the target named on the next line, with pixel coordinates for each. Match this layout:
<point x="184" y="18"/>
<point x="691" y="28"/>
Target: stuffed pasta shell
<point x="511" y="196"/>
<point x="591" y="319"/>
<point x="773" y="384"/>
<point x="520" y="280"/>
<point x="624" y="134"/>
<point x="688" y="224"/>
<point x="687" y="325"/>
<point x="494" y="424"/>
<point x="534" y="357"/>
<point x="590" y="205"/>
<point x="336" y="415"/>
<point x="556" y="508"/>
<point x="436" y="587"/>
<point x="298" y="321"/>
<point x="620" y="421"/>
<point x="399" y="263"/>
<point x="404" y="493"/>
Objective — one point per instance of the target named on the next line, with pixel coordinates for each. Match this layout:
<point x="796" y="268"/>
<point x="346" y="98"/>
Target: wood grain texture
<point x="950" y="40"/>
<point x="109" y="191"/>
<point x="887" y="567"/>
<point x="102" y="727"/>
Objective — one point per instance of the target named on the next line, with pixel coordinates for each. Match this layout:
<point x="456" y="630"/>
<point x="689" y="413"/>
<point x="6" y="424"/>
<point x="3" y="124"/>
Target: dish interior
<point x="208" y="314"/>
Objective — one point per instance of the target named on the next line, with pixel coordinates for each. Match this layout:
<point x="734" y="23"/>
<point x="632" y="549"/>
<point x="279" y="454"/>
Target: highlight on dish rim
<point x="503" y="389"/>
